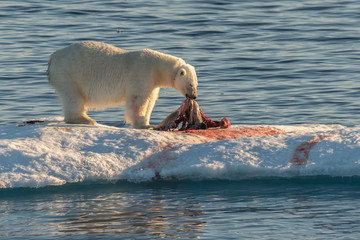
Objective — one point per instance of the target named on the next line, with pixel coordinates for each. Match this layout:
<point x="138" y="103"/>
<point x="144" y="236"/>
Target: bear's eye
<point x="190" y="85"/>
<point x="182" y="73"/>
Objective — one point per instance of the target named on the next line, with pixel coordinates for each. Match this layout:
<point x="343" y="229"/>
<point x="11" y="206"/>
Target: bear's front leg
<point x="135" y="112"/>
<point x="149" y="105"/>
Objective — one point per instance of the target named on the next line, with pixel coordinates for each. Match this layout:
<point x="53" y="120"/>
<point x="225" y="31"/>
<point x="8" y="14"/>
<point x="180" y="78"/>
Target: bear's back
<point x="100" y="47"/>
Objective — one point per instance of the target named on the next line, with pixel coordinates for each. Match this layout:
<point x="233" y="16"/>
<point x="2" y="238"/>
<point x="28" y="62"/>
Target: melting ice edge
<point x="53" y="153"/>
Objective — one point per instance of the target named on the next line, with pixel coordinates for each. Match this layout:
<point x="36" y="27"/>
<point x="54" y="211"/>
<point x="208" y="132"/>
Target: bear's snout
<point x="191" y="92"/>
<point x="191" y="96"/>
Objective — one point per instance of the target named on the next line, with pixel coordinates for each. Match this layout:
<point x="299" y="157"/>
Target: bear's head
<point x="186" y="81"/>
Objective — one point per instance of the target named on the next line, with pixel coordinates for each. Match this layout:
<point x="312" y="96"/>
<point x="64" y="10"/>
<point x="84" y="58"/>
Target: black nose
<point x="191" y="96"/>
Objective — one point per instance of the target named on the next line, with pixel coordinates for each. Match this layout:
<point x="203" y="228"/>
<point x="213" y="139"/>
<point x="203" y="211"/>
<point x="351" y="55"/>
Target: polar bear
<point x="95" y="75"/>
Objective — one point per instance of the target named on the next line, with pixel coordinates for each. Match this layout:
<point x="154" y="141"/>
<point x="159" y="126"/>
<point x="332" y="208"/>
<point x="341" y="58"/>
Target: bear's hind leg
<point x="75" y="111"/>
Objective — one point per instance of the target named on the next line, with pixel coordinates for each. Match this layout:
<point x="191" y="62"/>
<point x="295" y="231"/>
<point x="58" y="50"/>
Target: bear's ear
<point x="182" y="72"/>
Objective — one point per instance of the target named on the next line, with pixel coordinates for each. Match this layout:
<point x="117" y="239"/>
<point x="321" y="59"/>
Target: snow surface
<point x="54" y="153"/>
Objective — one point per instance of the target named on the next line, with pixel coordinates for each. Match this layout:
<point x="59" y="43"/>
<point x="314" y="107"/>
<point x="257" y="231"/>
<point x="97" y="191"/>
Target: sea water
<point x="258" y="63"/>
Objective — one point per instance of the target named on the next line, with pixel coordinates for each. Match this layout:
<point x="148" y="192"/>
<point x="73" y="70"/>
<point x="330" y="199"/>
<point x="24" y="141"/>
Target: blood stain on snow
<point x="302" y="151"/>
<point x="234" y="133"/>
<point x="161" y="154"/>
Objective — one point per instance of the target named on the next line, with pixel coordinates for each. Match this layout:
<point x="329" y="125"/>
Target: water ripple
<point x="258" y="62"/>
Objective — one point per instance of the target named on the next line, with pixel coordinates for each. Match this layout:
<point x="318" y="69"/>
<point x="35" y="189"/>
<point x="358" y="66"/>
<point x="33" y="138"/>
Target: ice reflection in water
<point x="252" y="209"/>
<point x="160" y="215"/>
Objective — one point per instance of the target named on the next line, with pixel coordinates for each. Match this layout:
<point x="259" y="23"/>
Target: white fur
<point x="98" y="75"/>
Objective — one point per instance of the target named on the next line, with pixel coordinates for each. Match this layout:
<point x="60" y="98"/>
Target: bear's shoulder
<point x="159" y="55"/>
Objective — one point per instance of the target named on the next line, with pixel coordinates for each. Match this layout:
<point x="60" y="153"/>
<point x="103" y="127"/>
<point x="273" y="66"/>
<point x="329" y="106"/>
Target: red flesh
<point x="192" y="118"/>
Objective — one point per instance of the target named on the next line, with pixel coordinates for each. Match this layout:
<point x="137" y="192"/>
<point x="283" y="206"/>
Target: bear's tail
<point x="48" y="69"/>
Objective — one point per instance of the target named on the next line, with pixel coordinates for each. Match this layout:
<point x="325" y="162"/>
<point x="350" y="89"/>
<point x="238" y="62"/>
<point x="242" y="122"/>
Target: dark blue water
<point x="258" y="62"/>
<point x="276" y="209"/>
